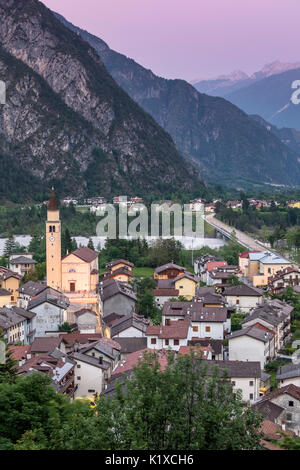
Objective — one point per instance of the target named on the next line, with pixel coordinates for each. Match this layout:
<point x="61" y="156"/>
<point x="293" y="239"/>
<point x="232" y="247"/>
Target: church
<point x="77" y="274"/>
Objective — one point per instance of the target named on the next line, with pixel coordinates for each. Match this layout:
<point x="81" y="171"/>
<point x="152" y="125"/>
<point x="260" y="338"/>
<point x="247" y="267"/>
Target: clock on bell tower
<point x="53" y="244"/>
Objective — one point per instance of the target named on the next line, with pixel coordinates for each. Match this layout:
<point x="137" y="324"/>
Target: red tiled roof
<point x="134" y="358"/>
<point x="195" y="349"/>
<point x="19" y="352"/>
<point x="290" y="389"/>
<point x="121" y="261"/>
<point x="165" y="292"/>
<point x="245" y="254"/>
<point x="71" y="338"/>
<point x="86" y="254"/>
<point x="176" y="330"/>
<point x="210" y="265"/>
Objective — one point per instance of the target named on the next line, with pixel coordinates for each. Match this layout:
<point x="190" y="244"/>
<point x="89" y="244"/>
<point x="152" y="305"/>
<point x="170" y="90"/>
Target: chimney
<point x="28" y="356"/>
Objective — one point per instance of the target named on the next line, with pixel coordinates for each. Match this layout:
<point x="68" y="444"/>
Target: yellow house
<point x="265" y="266"/>
<point x="168" y="271"/>
<point x="11" y="282"/>
<point x="120" y="270"/>
<point x="80" y="272"/>
<point x="5" y="297"/>
<point x="186" y="285"/>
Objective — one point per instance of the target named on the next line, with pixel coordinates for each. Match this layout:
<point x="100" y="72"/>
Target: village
<point x="106" y="339"/>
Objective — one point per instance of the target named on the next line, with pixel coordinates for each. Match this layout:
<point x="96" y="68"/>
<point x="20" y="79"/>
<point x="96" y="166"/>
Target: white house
<point x="243" y="297"/>
<point x="205" y="321"/>
<point x="289" y="374"/>
<point x="244" y="376"/>
<point x="86" y="320"/>
<point x="129" y="326"/>
<point x="251" y="344"/>
<point x="173" y="336"/>
<point x="95" y="363"/>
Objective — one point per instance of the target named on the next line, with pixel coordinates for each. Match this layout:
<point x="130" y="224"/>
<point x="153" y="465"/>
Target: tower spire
<point x="52" y="206"/>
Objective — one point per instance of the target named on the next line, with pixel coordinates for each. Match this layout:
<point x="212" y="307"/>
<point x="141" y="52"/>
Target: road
<point x="242" y="238"/>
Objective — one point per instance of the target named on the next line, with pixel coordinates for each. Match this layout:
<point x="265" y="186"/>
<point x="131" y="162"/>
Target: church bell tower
<point x="53" y="244"/>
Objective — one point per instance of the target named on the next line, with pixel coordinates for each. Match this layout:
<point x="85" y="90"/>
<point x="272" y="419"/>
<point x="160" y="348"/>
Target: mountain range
<point x="222" y="141"/>
<point x="92" y="121"/>
<point x="266" y="93"/>
<point x="66" y="120"/>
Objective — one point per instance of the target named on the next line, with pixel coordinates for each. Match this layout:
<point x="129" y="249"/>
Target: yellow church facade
<point x="77" y="273"/>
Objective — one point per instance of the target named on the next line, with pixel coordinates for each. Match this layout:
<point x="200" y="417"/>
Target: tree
<point x="91" y="244"/>
<point x="188" y="406"/>
<point x="65" y="327"/>
<point x="8" y="370"/>
<point x="289" y="442"/>
<point x="9" y="246"/>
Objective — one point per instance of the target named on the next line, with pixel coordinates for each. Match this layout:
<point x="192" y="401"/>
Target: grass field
<point x="143" y="272"/>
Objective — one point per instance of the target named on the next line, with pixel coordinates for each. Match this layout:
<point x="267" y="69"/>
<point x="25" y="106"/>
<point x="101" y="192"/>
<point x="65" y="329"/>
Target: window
<point x="269" y="270"/>
<point x="291" y="403"/>
<point x="167" y="342"/>
<point x="91" y="391"/>
<point x="251" y="396"/>
<point x="176" y="342"/>
<point x="78" y="366"/>
<point x="237" y="301"/>
<point x="233" y="383"/>
<point x="153" y="340"/>
<point x="78" y="378"/>
<point x="289" y="416"/>
<point x="207" y="328"/>
<point x="195" y="328"/>
<point x="251" y="383"/>
<point x="167" y="321"/>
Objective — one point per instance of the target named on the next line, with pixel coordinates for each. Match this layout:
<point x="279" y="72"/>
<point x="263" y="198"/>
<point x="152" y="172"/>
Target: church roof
<point x="86" y="254"/>
<point x="52" y="206"/>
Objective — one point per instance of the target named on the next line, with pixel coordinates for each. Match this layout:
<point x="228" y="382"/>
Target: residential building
<point x="116" y="297"/>
<point x="164" y="295"/>
<point x="221" y="276"/>
<point x="131" y="345"/>
<point x="284" y="405"/>
<point x="50" y="310"/>
<point x="94" y="365"/>
<point x="185" y="285"/>
<point x="173" y="336"/>
<point x="244" y="262"/>
<point x="21" y="263"/>
<point x="251" y="344"/>
<point x="244" y="376"/>
<point x="86" y="320"/>
<point x="288" y="374"/>
<point x="216" y="346"/>
<point x="129" y="326"/>
<point x="71" y="342"/>
<point x="263" y="265"/>
<point x="58" y="366"/>
<point x="120" y="270"/>
<point x="205" y="322"/>
<point x="12" y="326"/>
<point x="28" y="291"/>
<point x="168" y="271"/>
<point x="282" y="279"/>
<point x="5" y="297"/>
<point x="10" y="281"/>
<point x="243" y="297"/>
<point x="273" y="316"/>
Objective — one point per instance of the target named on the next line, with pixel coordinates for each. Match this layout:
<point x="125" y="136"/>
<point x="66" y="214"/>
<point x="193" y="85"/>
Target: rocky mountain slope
<point x="66" y="119"/>
<point x="225" y="144"/>
<point x="288" y="136"/>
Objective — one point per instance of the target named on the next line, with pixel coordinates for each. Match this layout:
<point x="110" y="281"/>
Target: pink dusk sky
<point x="192" y="39"/>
